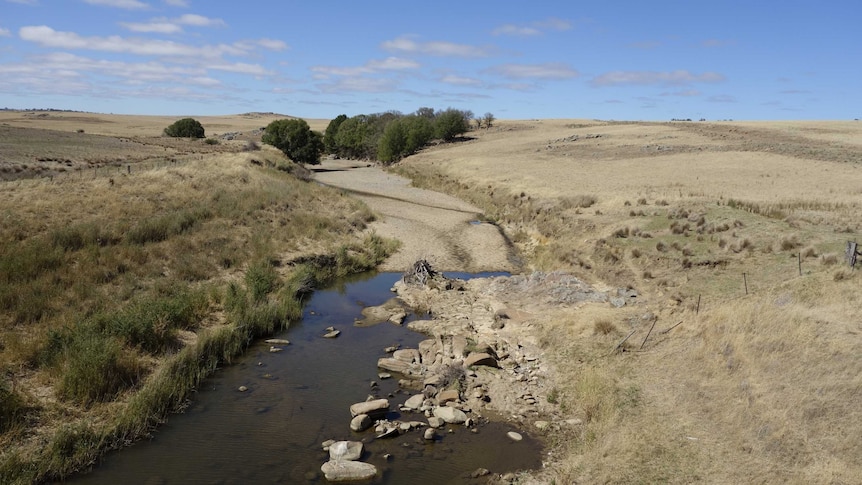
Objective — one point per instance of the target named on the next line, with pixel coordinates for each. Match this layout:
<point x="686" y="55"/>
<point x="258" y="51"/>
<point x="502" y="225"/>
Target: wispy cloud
<point x="533" y="28"/>
<point x="551" y="70"/>
<point x="24" y="2"/>
<point x="722" y="98"/>
<point x="173" y="26"/>
<point x="358" y="84"/>
<point x="460" y="80"/>
<point x="272" y="44"/>
<point x="687" y="93"/>
<point x="370" y="67"/>
<point x="406" y="44"/>
<point x="5" y="32"/>
<point x="127" y="4"/>
<point x="177" y="3"/>
<point x="678" y="77"/>
<point x="48" y="37"/>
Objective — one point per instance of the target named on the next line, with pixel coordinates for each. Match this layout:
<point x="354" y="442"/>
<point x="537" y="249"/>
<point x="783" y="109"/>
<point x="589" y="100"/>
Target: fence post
<point x="745" y="282"/>
<point x="851" y="252"/>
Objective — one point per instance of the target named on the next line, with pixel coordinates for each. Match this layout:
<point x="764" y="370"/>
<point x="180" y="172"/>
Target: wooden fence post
<point x="851" y="252"/>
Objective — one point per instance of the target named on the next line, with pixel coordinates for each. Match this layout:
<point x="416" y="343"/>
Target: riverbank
<point x="122" y="291"/>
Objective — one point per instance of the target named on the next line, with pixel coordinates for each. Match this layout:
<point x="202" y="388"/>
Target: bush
<point x="451" y="123"/>
<point x="211" y="141"/>
<point x="295" y="138"/>
<point x="185" y="128"/>
<point x="97" y="369"/>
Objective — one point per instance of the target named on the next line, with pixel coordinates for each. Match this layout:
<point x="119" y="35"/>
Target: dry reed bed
<point x="118" y="295"/>
<point x="758" y="387"/>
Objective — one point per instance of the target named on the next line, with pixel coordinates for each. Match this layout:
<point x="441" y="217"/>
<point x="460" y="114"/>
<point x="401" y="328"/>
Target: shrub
<point x="185" y="128"/>
<point x="211" y="141"/>
<point x="295" y="139"/>
<point x="96" y="368"/>
<point x="13" y="409"/>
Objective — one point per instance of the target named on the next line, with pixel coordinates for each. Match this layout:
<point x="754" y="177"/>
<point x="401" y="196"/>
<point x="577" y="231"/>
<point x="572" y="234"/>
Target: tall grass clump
<point x="160" y="228"/>
<point x="13" y="408"/>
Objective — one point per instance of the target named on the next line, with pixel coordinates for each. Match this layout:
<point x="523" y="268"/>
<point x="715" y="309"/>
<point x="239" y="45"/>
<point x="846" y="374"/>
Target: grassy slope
<point x="760" y="387"/>
<point x="119" y="292"/>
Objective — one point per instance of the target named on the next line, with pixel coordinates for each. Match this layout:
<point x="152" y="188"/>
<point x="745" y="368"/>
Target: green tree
<point x="393" y="142"/>
<point x="329" y="136"/>
<point x="451" y="123"/>
<point x="185" y="128"/>
<point x="295" y="138"/>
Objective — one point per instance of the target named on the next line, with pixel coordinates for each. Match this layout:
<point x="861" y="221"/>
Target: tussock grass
<point x="93" y="301"/>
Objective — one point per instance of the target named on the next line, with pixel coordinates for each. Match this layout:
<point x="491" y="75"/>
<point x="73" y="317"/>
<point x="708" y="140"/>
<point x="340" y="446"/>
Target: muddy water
<point x="300" y="397"/>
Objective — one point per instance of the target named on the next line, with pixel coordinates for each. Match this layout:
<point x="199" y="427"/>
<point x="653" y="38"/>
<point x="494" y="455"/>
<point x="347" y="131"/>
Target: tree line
<point x="388" y="136"/>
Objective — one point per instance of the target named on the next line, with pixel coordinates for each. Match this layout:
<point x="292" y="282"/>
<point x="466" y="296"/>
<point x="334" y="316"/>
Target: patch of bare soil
<point x="442" y="229"/>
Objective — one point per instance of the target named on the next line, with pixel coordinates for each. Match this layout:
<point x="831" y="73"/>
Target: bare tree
<point x="489" y="120"/>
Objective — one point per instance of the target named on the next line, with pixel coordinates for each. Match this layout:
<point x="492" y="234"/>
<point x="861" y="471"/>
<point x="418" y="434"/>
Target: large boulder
<point x="414" y="402"/>
<point x="371" y="408"/>
<point x="448" y="395"/>
<point x="360" y="422"/>
<point x="407" y="355"/>
<point x="343" y="471"/>
<point x="450" y="415"/>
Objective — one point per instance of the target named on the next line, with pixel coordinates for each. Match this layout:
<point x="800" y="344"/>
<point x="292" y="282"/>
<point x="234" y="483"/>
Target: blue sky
<point x="624" y="60"/>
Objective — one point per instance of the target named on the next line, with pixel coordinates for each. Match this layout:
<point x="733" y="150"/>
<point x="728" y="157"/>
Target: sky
<point x="602" y="59"/>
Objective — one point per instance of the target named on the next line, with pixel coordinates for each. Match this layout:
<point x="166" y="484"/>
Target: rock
<point x="242" y="388"/>
<point x="388" y="432"/>
<point x="541" y="425"/>
<point x="450" y="415"/>
<point x="480" y="358"/>
<point x="390" y="349"/>
<point x="430" y="434"/>
<point x="277" y="341"/>
<point x="345" y="450"/>
<point x="330" y="329"/>
<point x="514" y="436"/>
<point x="341" y="471"/>
<point x="448" y="395"/>
<point x="274" y="349"/>
<point x="332" y="334"/>
<point x="479" y="472"/>
<point x="618" y="302"/>
<point x="404" y="427"/>
<point x="393" y="365"/>
<point x="384" y="375"/>
<point x="435" y="422"/>
<point x="371" y="408"/>
<point x="407" y="355"/>
<point x="414" y="402"/>
<point x="497" y="325"/>
<point x="360" y="422"/>
<point x="326" y="444"/>
<point x="459" y="346"/>
<point x="398" y="318"/>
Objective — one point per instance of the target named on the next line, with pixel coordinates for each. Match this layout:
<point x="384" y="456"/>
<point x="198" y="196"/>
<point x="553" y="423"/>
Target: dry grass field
<point x="127" y="256"/>
<point x="743" y="364"/>
<point x="122" y="286"/>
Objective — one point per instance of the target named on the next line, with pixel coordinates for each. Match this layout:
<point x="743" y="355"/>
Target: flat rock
<point x="342" y="471"/>
<point x="345" y="450"/>
<point x="448" y="395"/>
<point x="371" y="408"/>
<point x="450" y="415"/>
<point x="332" y="334"/>
<point x="435" y="422"/>
<point x="480" y="358"/>
<point x="407" y="355"/>
<point x="514" y="436"/>
<point x="277" y="341"/>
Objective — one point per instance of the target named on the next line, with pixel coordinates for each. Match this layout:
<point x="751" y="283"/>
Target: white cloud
<point x="24" y="2"/>
<point x="437" y="48"/>
<point x="177" y="3"/>
<point x="153" y="27"/>
<point x="534" y="28"/>
<point x="240" y="67"/>
<point x="551" y="70"/>
<point x="173" y="26"/>
<point x="127" y="4"/>
<point x="199" y="21"/>
<point x="370" y="67"/>
<point x="678" y="77"/>
<point x="460" y="80"/>
<point x="272" y="44"/>
<point x="48" y="37"/>
<point x="358" y="84"/>
<point x="5" y="32"/>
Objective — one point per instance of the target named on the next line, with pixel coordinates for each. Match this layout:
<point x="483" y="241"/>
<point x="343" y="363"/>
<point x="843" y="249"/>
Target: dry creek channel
<point x="294" y="400"/>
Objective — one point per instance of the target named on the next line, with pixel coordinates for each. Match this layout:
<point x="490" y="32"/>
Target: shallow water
<point x="297" y="399"/>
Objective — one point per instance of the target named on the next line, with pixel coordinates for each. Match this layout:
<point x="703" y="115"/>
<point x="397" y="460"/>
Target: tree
<point x="489" y="120"/>
<point x="185" y="128"/>
<point x="329" y="136"/>
<point x="295" y="138"/>
<point x="451" y="123"/>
